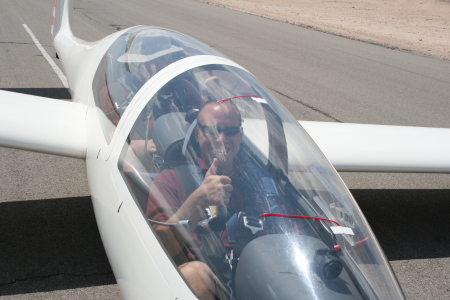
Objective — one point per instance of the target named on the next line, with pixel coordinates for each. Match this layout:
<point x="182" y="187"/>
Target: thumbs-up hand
<point x="213" y="168"/>
<point x="216" y="189"/>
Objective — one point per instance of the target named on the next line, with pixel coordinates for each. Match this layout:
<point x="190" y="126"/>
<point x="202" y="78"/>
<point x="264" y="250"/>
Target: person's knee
<point x="199" y="277"/>
<point x="196" y="271"/>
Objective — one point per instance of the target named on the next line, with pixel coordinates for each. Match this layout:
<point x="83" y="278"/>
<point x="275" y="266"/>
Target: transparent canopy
<point x="135" y="57"/>
<point x="226" y="177"/>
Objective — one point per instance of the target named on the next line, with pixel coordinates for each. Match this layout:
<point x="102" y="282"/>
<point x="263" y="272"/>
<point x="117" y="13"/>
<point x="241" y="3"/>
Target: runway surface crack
<point x="307" y="105"/>
<point x="16" y="43"/>
<point x="17" y="280"/>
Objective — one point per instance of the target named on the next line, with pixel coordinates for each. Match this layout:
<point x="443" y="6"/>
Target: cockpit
<point x="225" y="177"/>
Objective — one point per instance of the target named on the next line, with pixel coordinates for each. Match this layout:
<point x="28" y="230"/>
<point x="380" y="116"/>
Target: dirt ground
<point x="421" y="26"/>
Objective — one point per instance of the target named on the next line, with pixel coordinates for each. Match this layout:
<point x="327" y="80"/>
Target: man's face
<point x="219" y="134"/>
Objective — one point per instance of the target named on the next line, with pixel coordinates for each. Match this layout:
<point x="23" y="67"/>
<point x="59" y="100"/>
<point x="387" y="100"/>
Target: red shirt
<point x="167" y="195"/>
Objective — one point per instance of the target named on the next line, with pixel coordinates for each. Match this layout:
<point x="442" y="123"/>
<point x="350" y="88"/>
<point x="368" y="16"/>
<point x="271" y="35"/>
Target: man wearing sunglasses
<point x="219" y="135"/>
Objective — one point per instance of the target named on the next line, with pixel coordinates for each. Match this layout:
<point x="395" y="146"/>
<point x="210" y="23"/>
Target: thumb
<point x="213" y="168"/>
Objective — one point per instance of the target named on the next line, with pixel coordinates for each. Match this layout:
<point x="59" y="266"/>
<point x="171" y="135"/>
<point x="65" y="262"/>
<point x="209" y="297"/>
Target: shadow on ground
<point x="50" y="245"/>
<point x="54" y="244"/>
<point x="56" y="93"/>
<point x="409" y="224"/>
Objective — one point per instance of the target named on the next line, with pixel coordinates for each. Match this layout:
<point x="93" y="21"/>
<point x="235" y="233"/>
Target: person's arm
<point x="214" y="190"/>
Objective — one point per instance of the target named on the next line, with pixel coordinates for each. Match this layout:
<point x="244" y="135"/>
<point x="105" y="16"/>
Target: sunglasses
<point x="213" y="130"/>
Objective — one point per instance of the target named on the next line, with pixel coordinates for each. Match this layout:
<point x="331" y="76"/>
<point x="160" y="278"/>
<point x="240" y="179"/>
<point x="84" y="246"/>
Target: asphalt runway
<point x="50" y="247"/>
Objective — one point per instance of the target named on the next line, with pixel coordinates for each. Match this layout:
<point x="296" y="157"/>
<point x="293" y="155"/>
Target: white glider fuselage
<point x="140" y="263"/>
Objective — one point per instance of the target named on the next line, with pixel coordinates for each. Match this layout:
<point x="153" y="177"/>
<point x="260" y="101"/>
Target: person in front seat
<point x="219" y="135"/>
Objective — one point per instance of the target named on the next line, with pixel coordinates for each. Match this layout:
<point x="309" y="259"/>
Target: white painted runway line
<point x="47" y="57"/>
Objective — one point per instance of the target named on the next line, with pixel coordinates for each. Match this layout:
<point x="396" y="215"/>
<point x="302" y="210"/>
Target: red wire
<point x="297" y="216"/>
<point x="362" y="241"/>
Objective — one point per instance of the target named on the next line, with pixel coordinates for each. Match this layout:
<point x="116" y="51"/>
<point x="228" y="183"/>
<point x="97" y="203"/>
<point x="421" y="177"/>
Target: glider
<point x="136" y="99"/>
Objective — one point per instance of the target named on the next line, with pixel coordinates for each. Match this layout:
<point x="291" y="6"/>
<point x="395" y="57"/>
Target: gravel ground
<point x="421" y="26"/>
